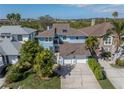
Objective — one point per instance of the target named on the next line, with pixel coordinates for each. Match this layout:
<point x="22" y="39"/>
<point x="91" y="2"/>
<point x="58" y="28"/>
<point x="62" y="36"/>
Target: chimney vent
<point x="49" y="27"/>
<point x="93" y="22"/>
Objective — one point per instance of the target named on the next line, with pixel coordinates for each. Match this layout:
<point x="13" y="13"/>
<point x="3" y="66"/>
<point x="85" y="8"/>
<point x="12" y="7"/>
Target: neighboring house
<point x="9" y="52"/>
<point x="99" y="30"/>
<point x="69" y="43"/>
<point x="16" y="33"/>
<point x="11" y="39"/>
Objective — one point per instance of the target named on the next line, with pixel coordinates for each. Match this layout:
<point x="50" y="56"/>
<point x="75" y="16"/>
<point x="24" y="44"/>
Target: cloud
<point x="110" y="9"/>
<point x="79" y="5"/>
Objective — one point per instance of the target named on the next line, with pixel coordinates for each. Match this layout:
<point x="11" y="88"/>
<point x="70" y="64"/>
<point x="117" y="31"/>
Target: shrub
<point x="99" y="74"/>
<point x="23" y="66"/>
<point x="96" y="68"/>
<point x="119" y="62"/>
<point x="93" y="64"/>
<point x="14" y="77"/>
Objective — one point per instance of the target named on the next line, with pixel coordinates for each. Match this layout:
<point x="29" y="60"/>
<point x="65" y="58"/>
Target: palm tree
<point x="115" y="14"/>
<point x="118" y="29"/>
<point x="92" y="44"/>
<point x="14" y="18"/>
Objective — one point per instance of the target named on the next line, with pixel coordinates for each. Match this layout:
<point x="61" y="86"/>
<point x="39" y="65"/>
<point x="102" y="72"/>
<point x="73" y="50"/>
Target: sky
<point x="63" y="11"/>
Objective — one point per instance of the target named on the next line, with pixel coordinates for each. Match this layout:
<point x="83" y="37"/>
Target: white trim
<point x="107" y="38"/>
<point x="1" y="61"/>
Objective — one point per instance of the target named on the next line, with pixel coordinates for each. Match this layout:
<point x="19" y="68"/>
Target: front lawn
<point x="106" y="84"/>
<point x="33" y="82"/>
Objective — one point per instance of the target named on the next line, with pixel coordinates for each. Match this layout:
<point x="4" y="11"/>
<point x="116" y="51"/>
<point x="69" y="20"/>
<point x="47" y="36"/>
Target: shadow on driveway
<point x="65" y="70"/>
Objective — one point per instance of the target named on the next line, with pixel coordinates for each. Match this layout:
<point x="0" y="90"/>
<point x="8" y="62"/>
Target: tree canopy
<point x="92" y="44"/>
<point x="14" y="18"/>
<point x="46" y="21"/>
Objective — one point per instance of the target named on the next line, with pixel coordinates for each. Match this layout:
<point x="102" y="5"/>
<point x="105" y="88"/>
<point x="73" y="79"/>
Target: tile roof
<point x="16" y="30"/>
<point x="72" y="49"/>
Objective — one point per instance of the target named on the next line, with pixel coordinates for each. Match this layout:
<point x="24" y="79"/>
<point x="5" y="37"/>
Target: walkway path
<point x="80" y="77"/>
<point x="115" y="75"/>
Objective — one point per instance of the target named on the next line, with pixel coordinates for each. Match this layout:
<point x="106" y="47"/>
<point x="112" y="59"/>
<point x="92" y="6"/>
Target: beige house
<point x="99" y="30"/>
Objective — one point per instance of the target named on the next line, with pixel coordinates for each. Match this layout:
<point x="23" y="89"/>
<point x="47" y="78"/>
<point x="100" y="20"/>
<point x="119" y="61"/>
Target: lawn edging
<point x="104" y="82"/>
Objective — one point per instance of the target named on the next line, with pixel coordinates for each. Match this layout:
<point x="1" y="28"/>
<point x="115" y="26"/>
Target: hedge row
<point x="119" y="62"/>
<point x="96" y="68"/>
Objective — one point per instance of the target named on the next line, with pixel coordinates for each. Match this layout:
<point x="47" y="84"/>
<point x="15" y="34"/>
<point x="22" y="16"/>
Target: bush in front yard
<point x="93" y="63"/>
<point x="13" y="75"/>
<point x="99" y="74"/>
<point x="96" y="68"/>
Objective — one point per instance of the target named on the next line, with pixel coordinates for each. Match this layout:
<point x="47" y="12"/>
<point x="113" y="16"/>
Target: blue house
<point x="68" y="43"/>
<point x="62" y="36"/>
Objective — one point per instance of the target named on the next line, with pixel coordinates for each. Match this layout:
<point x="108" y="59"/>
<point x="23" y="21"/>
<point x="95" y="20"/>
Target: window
<point x="64" y="30"/>
<point x="8" y="36"/>
<point x="19" y="37"/>
<point x="64" y="37"/>
<point x="46" y="39"/>
<point x="108" y="41"/>
<point x="3" y="36"/>
<point x="42" y="38"/>
<point x="50" y="38"/>
<point x="13" y="38"/>
<point x="77" y="38"/>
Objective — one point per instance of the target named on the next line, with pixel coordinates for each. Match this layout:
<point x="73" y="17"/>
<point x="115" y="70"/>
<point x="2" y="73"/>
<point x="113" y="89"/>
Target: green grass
<point x="33" y="82"/>
<point x="106" y="84"/>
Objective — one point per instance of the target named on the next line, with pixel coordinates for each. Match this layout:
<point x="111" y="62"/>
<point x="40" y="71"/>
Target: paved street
<point x="1" y="81"/>
<point x="80" y="77"/>
<point x="116" y="76"/>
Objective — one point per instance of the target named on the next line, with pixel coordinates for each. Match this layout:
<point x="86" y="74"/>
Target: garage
<point x="13" y="59"/>
<point x="72" y="60"/>
<point x="71" y="53"/>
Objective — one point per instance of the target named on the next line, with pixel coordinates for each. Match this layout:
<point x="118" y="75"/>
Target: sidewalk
<point x="115" y="75"/>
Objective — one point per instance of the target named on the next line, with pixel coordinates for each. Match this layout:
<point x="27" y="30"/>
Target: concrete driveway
<point x="80" y="77"/>
<point x="2" y="81"/>
<point x="115" y="75"/>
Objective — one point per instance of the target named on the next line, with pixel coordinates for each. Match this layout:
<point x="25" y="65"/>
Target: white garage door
<point x="82" y="60"/>
<point x="67" y="61"/>
<point x="74" y="61"/>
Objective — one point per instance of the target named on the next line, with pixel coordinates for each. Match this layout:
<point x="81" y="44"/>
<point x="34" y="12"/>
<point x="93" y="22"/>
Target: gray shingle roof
<point x="96" y="30"/>
<point x="7" y="48"/>
<point x="72" y="49"/>
<point x="16" y="30"/>
<point x="59" y="29"/>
